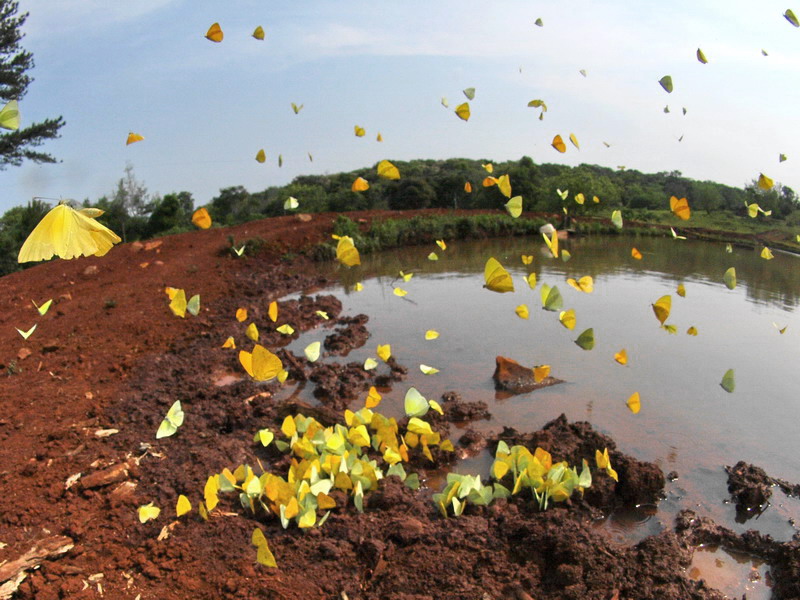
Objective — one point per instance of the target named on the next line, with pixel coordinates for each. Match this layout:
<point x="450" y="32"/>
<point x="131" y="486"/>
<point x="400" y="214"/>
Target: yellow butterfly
<point x="567" y="318"/>
<point x="680" y="208"/>
<point x="359" y="131"/>
<point x="148" y="512"/>
<point x="514" y="206"/>
<point x="312" y="351"/>
<point x="387" y="170"/>
<point x="552" y="243"/>
<point x="462" y="110"/>
<point x="496" y="277"/>
<point x="360" y="185"/>
<point x="488" y="167"/>
<point x="263" y="554"/>
<point x="261" y="156"/>
<point x="291" y="203"/>
<point x="468" y="187"/>
<point x="384" y="352"/>
<point x="766" y="253"/>
<point x="68" y="233"/>
<point x="634" y="403"/>
<point x="574" y="141"/>
<point x="201" y="218"/>
<point x="346" y="252"/>
<point x="172" y="421"/>
<point x="26" y="334"/>
<point x="540" y="373"/>
<point x="621" y="357"/>
<point x="133" y="138"/>
<point x="580" y="198"/>
<point x="261" y="364"/>
<point x="584" y="284"/>
<point x="522" y="311"/>
<point x="636" y="254"/>
<point x="9" y="115"/>
<point x="272" y="311"/>
<point x="183" y="506"/>
<point x="431" y="334"/>
<point x="258" y="33"/>
<point x="662" y="308"/>
<point x="214" y="33"/>
<point x="676" y="236"/>
<point x="44" y="307"/>
<point x="296" y="108"/>
<point x="379" y="137"/>
<point x="527" y="259"/>
<point x="764" y="182"/>
<point x="559" y="144"/>
<point x="504" y="185"/>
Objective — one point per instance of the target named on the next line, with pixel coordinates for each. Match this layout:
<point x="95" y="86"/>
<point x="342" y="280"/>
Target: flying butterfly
<point x="68" y="233"/>
<point x="662" y="308"/>
<point x="9" y="115"/>
<point x="514" y="206"/>
<point x="680" y="208"/>
<point x="496" y="277"/>
<point x="584" y="284"/>
<point x="201" y="218"/>
<point x="346" y="252"/>
<point x="360" y="185"/>
<point x="551" y="298"/>
<point x="387" y="170"/>
<point x="214" y="33"/>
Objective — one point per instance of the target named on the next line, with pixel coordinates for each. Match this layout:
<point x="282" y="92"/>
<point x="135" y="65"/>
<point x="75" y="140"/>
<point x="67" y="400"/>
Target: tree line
<point x="135" y="214"/>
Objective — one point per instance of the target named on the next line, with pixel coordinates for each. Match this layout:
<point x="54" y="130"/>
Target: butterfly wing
<point x="67" y="233"/>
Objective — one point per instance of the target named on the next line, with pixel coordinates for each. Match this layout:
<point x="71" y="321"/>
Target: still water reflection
<point x="687" y="423"/>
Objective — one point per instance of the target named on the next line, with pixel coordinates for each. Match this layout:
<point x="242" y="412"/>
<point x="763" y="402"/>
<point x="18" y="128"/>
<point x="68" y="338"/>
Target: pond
<point x="688" y="423"/>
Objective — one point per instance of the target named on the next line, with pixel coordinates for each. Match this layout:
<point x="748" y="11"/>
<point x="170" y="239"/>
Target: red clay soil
<point x="81" y="399"/>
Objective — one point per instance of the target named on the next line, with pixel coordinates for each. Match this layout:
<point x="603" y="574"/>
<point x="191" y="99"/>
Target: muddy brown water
<point x="687" y="424"/>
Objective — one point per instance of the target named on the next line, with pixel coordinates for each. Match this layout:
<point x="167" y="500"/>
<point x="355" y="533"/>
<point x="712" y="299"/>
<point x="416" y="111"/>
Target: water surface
<point x="687" y="423"/>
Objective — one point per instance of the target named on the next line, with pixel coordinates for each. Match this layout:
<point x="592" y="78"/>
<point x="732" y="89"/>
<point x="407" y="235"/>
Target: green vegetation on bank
<point x="135" y="214"/>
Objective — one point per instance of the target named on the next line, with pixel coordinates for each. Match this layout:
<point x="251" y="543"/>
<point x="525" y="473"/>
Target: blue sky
<point x="205" y="109"/>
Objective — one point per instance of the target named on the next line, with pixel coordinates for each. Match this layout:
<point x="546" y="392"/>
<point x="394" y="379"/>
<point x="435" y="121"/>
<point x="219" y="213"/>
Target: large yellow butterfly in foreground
<point x="68" y="233"/>
<point x="497" y="278"/>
